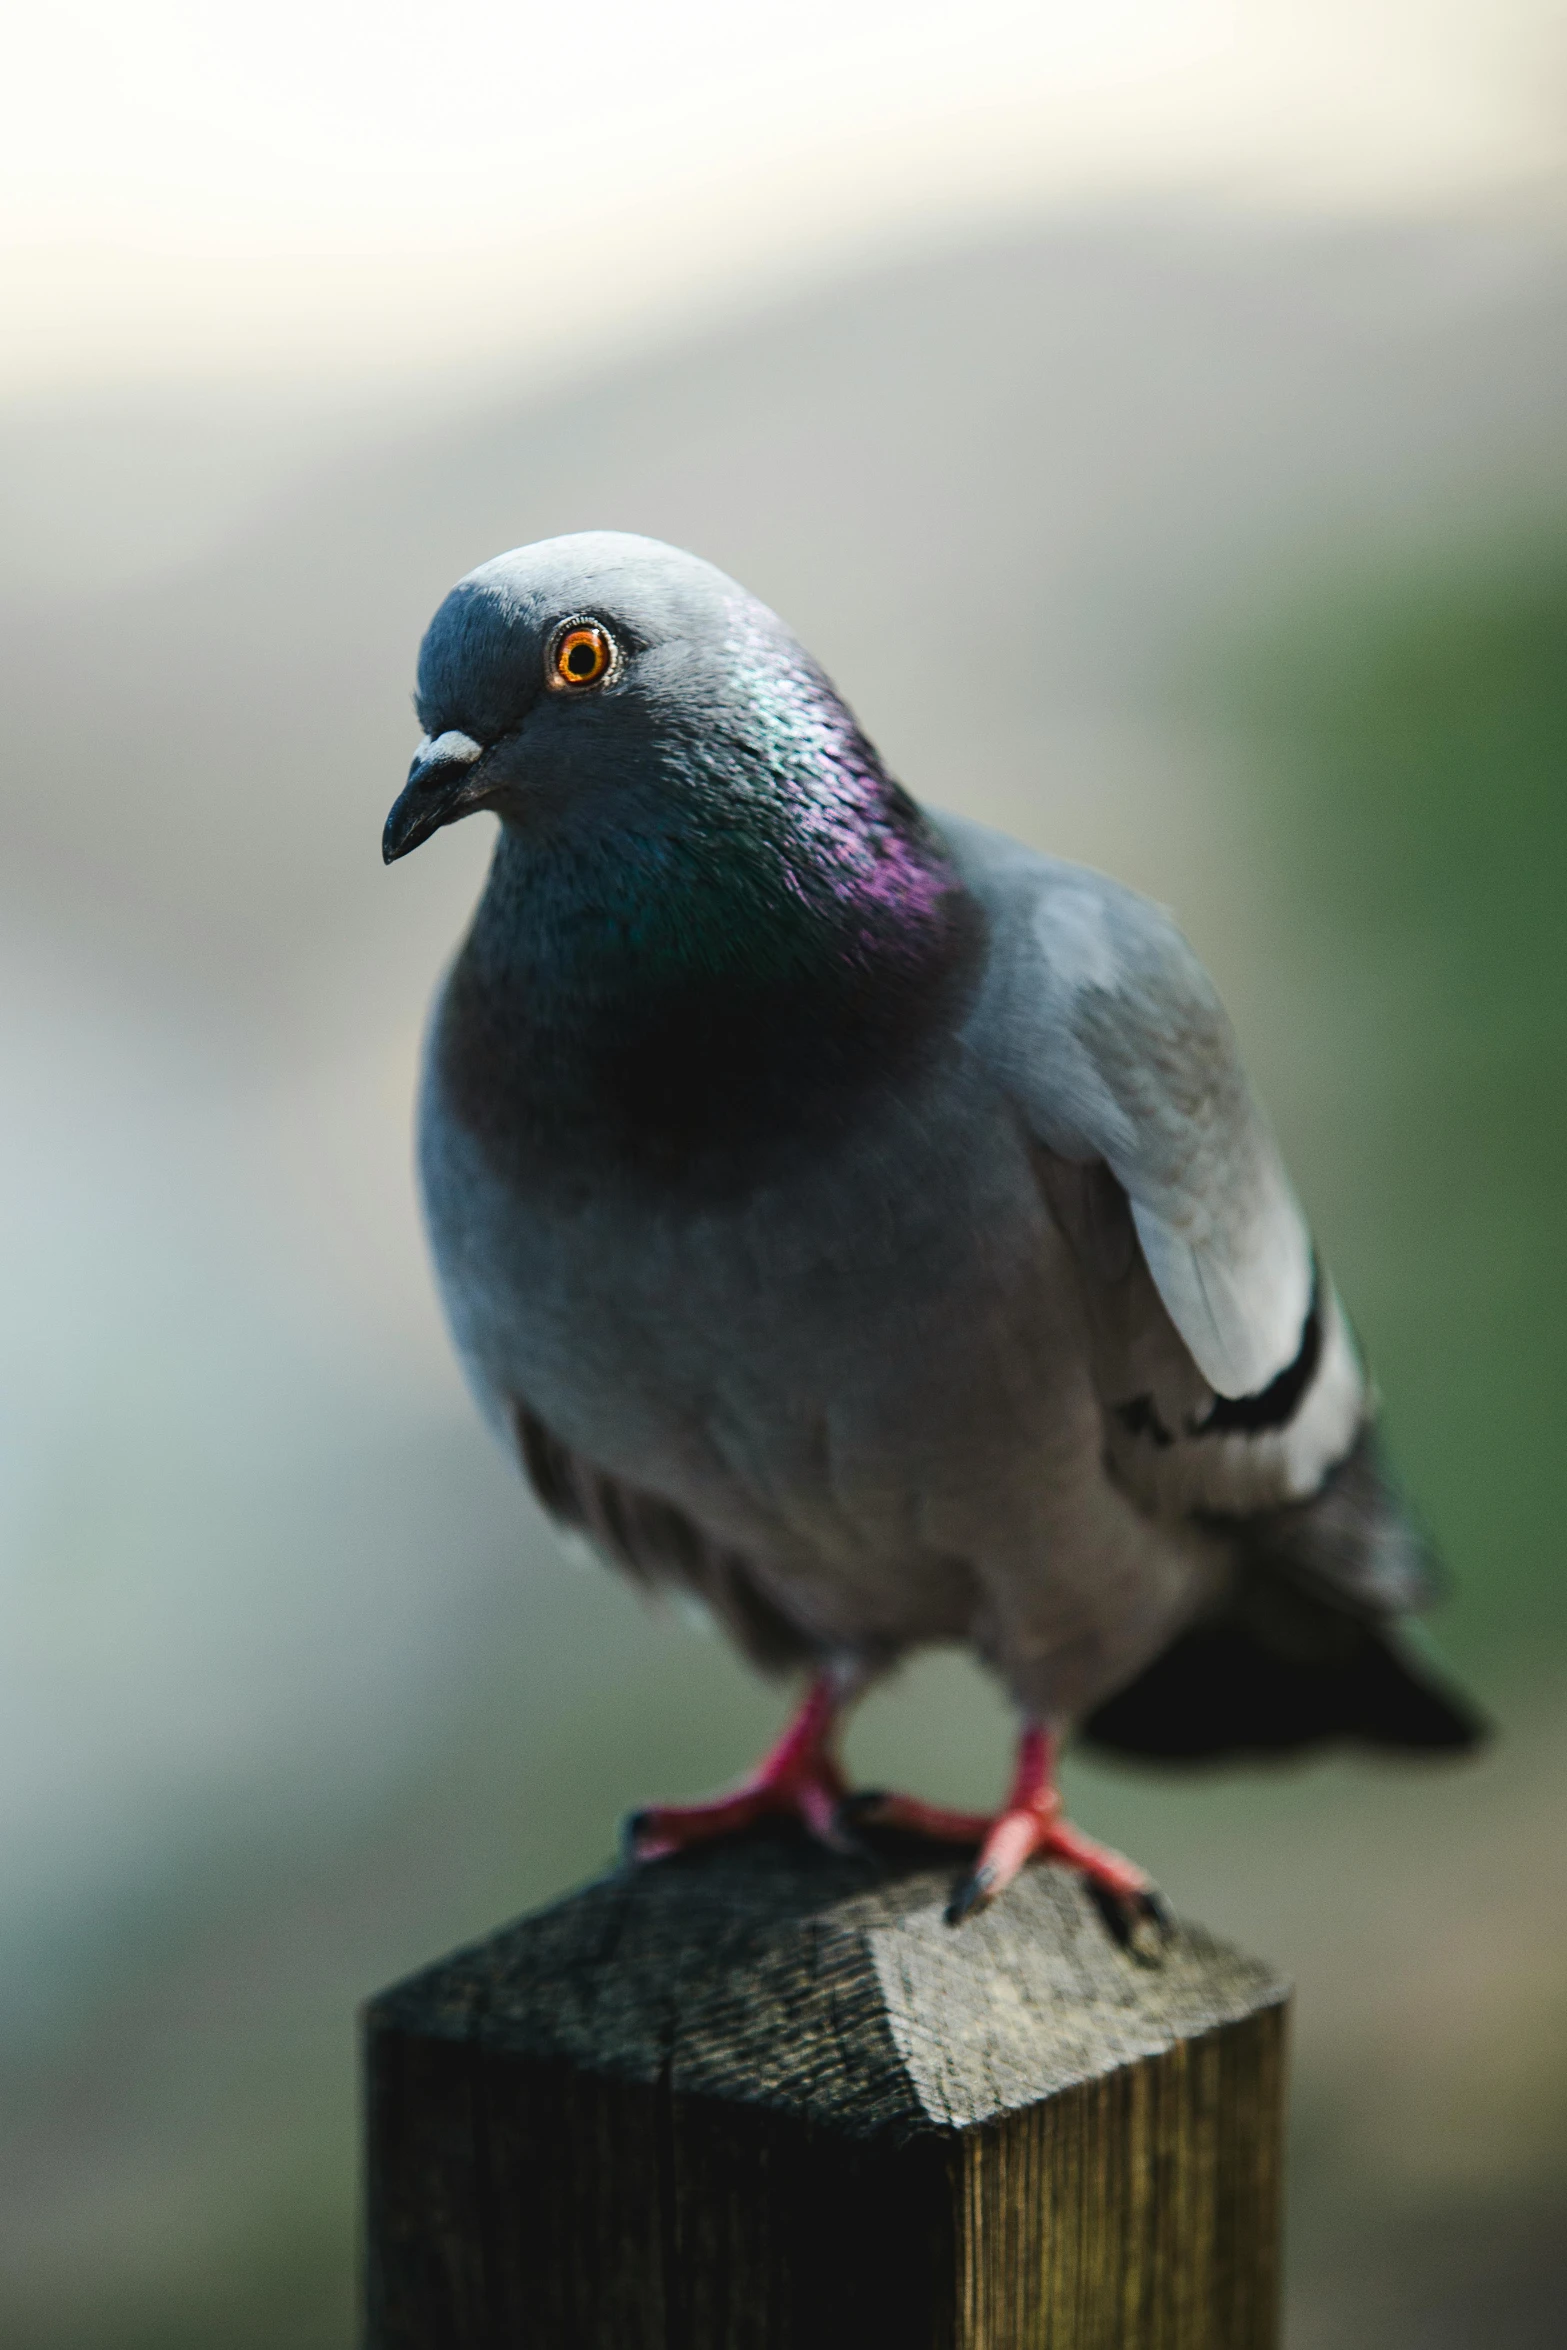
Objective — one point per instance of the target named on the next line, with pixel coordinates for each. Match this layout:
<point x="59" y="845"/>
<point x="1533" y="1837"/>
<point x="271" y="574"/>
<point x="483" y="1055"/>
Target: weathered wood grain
<point x="762" y="2097"/>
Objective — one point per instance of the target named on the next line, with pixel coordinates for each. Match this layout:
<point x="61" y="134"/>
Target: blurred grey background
<point x="1217" y="365"/>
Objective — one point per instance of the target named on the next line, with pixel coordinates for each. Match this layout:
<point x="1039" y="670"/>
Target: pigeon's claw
<point x="1140" y="1922"/>
<point x="799" y="1779"/>
<point x="660" y="1829"/>
<point x="1011" y="1838"/>
<point x="1034" y="1829"/>
<point x="1029" y="1826"/>
<point x="907" y="1815"/>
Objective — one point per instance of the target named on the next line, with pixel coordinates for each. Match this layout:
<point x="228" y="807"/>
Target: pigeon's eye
<point x="582" y="655"/>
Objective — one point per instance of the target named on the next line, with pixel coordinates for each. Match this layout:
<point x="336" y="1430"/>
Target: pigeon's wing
<point x="1225" y="1366"/>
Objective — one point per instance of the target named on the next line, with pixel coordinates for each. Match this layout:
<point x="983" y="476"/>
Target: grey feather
<point x="855" y="1218"/>
<point x="1119" y="1050"/>
<point x="1198" y="1271"/>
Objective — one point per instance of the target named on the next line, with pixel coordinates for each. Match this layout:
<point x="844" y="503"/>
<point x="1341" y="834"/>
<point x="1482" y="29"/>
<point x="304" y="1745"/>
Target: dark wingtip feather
<point x="1222" y="1693"/>
<point x="1398" y="1703"/>
<point x="1305" y="1651"/>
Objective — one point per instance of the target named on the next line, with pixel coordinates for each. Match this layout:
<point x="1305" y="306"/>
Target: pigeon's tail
<point x="1305" y="1650"/>
<point x="1223" y="1691"/>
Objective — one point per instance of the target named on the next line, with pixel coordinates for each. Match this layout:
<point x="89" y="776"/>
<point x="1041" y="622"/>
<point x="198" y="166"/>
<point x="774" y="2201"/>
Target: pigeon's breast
<point x="855" y="1355"/>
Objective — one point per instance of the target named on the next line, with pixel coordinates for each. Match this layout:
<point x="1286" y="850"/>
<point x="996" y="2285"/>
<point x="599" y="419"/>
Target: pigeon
<point x="862" y="1223"/>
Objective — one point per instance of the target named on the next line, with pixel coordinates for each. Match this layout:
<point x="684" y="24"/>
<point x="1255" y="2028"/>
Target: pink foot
<point x="1029" y="1826"/>
<point x="799" y="1777"/>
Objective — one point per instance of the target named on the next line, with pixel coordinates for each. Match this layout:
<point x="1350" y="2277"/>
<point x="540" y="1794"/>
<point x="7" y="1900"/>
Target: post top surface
<point x="769" y="1972"/>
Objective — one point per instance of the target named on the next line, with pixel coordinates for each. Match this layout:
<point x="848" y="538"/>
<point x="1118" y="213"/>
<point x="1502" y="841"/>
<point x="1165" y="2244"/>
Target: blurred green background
<point x="1270" y="503"/>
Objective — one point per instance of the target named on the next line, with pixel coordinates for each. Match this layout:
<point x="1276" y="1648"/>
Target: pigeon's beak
<point x="442" y="785"/>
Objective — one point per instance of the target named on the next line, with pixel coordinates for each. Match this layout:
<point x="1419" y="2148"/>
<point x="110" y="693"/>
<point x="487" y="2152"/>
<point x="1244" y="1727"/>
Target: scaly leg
<point x="800" y="1776"/>
<point x="1029" y="1824"/>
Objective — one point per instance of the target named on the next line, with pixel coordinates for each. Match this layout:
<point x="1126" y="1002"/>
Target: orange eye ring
<point x="582" y="655"/>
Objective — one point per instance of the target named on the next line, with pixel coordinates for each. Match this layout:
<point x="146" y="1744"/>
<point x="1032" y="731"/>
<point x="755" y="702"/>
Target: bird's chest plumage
<point x="855" y="1347"/>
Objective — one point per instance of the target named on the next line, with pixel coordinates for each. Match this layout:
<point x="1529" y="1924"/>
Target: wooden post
<point x="761" y="2097"/>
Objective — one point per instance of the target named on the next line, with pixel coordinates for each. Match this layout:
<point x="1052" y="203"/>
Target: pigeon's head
<point x="602" y="679"/>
